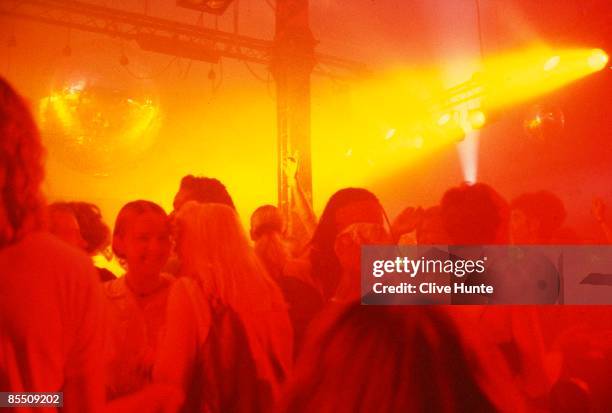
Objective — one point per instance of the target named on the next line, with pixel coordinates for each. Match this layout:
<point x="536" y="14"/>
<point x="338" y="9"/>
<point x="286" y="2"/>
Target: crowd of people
<point x="210" y="317"/>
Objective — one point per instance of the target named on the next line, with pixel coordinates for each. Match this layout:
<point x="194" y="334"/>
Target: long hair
<point x="324" y="263"/>
<point x="21" y="168"/>
<point x="221" y="260"/>
<point x="206" y="190"/>
<point x="394" y="359"/>
<point x="544" y="207"/>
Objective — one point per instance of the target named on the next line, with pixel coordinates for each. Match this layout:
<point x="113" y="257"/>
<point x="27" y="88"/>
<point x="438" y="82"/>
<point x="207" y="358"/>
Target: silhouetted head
<point x="345" y="207"/>
<point x="474" y="214"/>
<point x="265" y="220"/>
<point x="93" y="230"/>
<point x="203" y="190"/>
<point x="535" y="217"/>
<point x="64" y="224"/>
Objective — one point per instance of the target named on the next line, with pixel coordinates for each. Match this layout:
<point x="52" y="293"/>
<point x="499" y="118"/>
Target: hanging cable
<point x="151" y="77"/>
<point x="479" y="24"/>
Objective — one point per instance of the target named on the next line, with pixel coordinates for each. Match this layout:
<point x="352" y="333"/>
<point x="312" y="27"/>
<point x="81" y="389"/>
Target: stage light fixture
<point x="443" y="120"/>
<point x="177" y="47"/>
<point x="216" y="7"/>
<point x="598" y="59"/>
<point x="552" y="63"/>
<point x="477" y="119"/>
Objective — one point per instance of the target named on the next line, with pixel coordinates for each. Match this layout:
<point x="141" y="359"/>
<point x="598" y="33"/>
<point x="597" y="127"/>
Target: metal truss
<point x="154" y="30"/>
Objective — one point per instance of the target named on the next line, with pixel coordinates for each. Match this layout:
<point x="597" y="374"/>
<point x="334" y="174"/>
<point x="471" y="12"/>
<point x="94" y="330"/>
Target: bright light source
<point x="468" y="156"/>
<point x="443" y="120"/>
<point x="418" y="142"/>
<point x="477" y="119"/>
<point x="552" y="63"/>
<point x="390" y="134"/>
<point x="418" y="102"/>
<point x="95" y="129"/>
<point x="598" y="59"/>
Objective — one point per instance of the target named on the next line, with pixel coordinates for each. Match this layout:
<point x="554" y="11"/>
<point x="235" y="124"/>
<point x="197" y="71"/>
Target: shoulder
<point x="42" y="255"/>
<point x="42" y="245"/>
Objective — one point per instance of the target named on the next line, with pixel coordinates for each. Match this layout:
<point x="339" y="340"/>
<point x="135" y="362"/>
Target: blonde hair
<point x="221" y="259"/>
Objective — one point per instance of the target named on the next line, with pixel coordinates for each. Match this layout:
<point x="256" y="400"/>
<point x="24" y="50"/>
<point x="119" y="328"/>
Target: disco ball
<point x="97" y="117"/>
<point x="544" y="122"/>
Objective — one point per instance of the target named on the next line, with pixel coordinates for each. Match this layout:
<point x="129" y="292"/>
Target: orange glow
<point x="417" y="103"/>
<point x="360" y="134"/>
<point x="94" y="129"/>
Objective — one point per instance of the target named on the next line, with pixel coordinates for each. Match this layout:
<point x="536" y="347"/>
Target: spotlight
<point x="217" y="7"/>
<point x="418" y="142"/>
<point x="477" y="119"/>
<point x="450" y="128"/>
<point x="443" y="120"/>
<point x="598" y="59"/>
<point x="552" y="63"/>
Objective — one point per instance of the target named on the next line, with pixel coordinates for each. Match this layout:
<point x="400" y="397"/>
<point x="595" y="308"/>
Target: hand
<point x="407" y="221"/>
<point x="290" y="165"/>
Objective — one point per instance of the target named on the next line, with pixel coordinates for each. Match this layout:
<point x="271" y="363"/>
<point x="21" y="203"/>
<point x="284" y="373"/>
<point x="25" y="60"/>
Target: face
<point x="65" y="226"/>
<point x="363" y="211"/>
<point x="146" y="244"/>
<point x="349" y="242"/>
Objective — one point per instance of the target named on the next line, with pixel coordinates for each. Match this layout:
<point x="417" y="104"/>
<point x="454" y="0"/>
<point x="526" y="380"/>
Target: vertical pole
<point x="292" y="64"/>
